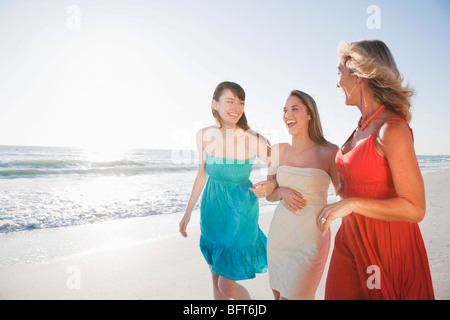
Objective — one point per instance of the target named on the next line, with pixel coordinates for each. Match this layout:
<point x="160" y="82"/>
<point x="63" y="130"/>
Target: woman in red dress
<point x="379" y="252"/>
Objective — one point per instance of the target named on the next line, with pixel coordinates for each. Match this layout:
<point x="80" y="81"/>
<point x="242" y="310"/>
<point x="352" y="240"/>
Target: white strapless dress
<point x="296" y="249"/>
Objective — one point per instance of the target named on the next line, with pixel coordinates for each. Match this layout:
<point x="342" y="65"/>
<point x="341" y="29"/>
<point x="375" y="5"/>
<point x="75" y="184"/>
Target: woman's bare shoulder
<point x="329" y="148"/>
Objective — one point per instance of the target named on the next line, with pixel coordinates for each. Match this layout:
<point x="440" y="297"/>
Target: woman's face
<point x="349" y="85"/>
<point x="295" y="115"/>
<point x="230" y="107"/>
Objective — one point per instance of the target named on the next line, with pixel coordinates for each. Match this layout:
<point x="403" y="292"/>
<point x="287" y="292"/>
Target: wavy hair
<point x="372" y="60"/>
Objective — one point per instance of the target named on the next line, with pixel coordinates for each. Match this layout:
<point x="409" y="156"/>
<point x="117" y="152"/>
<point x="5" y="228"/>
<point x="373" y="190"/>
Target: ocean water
<point x="48" y="187"/>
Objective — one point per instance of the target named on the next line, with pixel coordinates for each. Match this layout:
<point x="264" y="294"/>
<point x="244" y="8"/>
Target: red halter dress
<point x="375" y="259"/>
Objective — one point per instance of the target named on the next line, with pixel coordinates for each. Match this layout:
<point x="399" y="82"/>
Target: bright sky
<point x="135" y="73"/>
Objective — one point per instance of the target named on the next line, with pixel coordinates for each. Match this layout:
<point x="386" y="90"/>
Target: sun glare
<point x="97" y="154"/>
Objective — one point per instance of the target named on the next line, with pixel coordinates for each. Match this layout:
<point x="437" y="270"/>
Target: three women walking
<point x="375" y="173"/>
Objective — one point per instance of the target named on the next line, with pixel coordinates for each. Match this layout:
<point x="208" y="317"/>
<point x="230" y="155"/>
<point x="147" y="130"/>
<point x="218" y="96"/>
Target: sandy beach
<point x="172" y="267"/>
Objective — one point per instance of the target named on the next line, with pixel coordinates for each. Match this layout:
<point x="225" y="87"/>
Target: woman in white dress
<point x="296" y="249"/>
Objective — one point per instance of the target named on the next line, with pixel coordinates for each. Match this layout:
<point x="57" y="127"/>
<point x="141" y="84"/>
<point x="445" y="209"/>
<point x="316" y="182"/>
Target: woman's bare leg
<point x="217" y="294"/>
<point x="276" y="294"/>
<point x="232" y="289"/>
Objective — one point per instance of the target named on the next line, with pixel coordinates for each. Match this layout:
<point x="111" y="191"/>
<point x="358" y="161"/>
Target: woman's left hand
<point x="331" y="212"/>
<point x="264" y="188"/>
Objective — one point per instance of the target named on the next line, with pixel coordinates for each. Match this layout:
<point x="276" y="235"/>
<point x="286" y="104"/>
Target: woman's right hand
<point x="183" y="224"/>
<point x="293" y="199"/>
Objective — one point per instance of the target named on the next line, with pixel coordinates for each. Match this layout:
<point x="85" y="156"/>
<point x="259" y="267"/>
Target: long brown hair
<point x="315" y="127"/>
<point x="239" y="92"/>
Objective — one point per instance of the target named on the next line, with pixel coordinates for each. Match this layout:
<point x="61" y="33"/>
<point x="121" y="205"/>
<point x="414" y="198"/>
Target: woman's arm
<point x="268" y="155"/>
<point x="293" y="199"/>
<point x="332" y="170"/>
<point x="395" y="143"/>
<point x="197" y="189"/>
<point x="263" y="149"/>
<point x="198" y="186"/>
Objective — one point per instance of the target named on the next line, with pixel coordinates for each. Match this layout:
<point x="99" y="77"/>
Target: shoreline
<point x="172" y="267"/>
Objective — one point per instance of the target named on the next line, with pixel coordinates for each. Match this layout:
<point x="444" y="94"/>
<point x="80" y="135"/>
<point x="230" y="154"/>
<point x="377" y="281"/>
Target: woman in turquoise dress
<point x="231" y="241"/>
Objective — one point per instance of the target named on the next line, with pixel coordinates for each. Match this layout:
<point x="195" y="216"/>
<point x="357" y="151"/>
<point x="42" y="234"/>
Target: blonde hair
<point x="315" y="127"/>
<point x="372" y="60"/>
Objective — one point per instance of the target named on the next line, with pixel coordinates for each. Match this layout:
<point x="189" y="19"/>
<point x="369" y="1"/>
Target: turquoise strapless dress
<point x="231" y="240"/>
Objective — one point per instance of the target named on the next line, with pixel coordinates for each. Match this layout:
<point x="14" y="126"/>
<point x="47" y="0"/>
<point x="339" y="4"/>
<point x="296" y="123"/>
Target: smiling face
<point x="295" y="115"/>
<point x="229" y="107"/>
